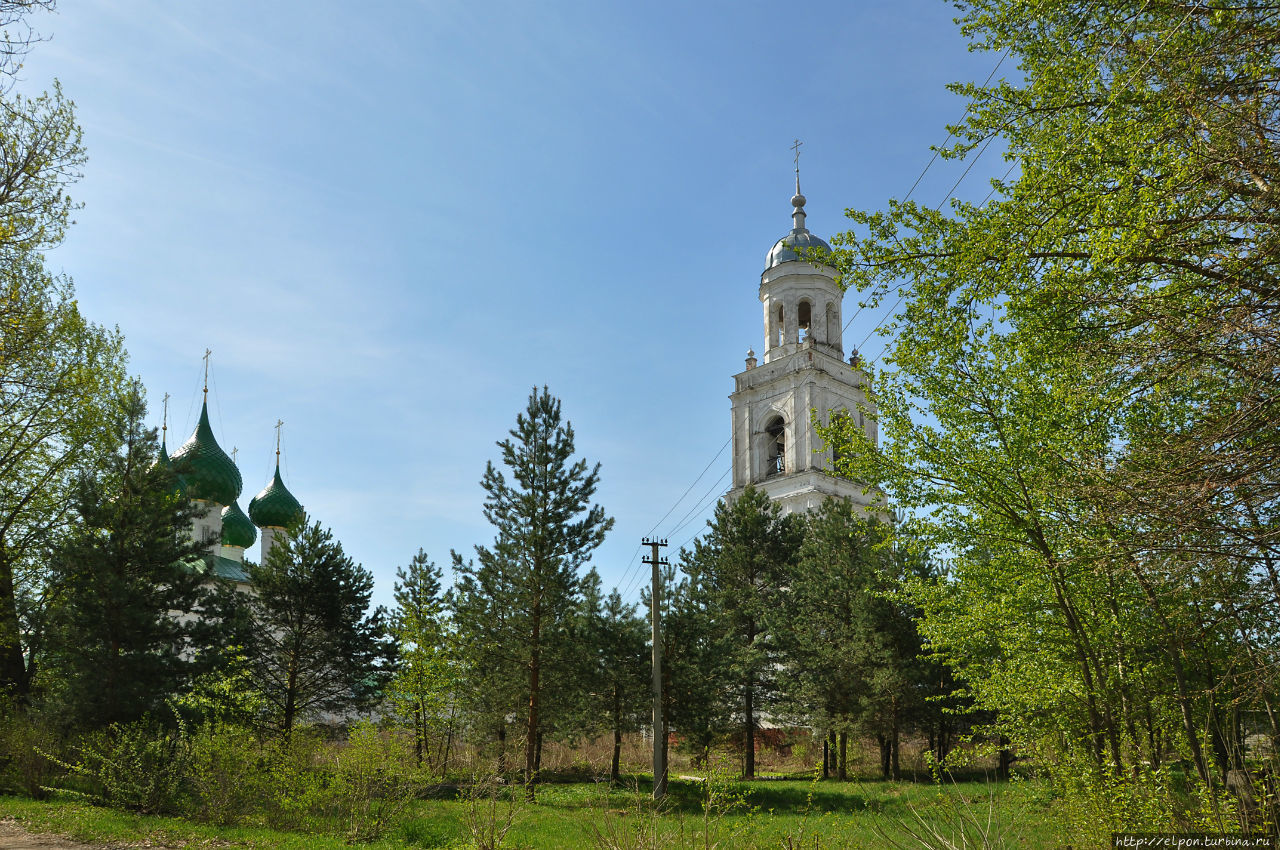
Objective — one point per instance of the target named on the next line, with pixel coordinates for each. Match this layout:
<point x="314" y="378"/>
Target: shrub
<point x="229" y="767"/>
<point x="136" y="766"/>
<point x="29" y="749"/>
<point x="373" y="779"/>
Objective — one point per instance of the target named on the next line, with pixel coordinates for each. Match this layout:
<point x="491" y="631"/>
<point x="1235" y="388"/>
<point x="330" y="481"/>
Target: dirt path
<point x="14" y="837"/>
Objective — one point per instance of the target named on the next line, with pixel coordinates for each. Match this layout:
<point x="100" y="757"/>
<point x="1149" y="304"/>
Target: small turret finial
<point x="207" y="353"/>
<point x="279" y="425"/>
<point x="797" y="214"/>
<point x="164" y="422"/>
<point x="234" y="451"/>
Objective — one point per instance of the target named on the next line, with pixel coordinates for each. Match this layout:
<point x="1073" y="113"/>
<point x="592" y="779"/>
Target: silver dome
<point x="784" y="250"/>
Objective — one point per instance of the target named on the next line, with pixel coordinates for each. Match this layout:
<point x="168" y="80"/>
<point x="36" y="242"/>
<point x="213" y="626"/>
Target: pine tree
<point x="620" y="678"/>
<point x="133" y="610"/>
<point x="424" y="682"/>
<point x="317" y="646"/>
<point x="850" y="647"/>
<point x="741" y="565"/>
<point x="697" y="688"/>
<point x="547" y="528"/>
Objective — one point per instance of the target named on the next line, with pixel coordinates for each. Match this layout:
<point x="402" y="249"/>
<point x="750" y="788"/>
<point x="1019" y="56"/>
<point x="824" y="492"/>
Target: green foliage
<point x="697" y="705"/>
<point x="30" y="753"/>
<point x="423" y="688"/>
<point x="741" y="565"/>
<point x="229" y="774"/>
<point x="617" y="670"/>
<point x="59" y="374"/>
<point x="1077" y="401"/>
<point x="852" y="652"/>
<point x="516" y="610"/>
<point x="374" y="779"/>
<point x="223" y="695"/>
<point x="130" y="605"/>
<point x="136" y="766"/>
<point x="61" y="379"/>
<point x="316" y="646"/>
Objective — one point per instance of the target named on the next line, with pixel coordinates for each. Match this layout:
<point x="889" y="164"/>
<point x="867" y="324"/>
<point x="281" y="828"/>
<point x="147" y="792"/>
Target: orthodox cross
<point x="279" y="425"/>
<point x="796" y="147"/>
<point x="207" y="352"/>
<point x="164" y="426"/>
<point x="234" y="452"/>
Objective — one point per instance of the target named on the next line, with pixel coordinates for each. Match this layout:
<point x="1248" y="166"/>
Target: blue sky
<point x="390" y="220"/>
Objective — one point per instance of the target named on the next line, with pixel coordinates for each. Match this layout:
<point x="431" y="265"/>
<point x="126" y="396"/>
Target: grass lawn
<point x="776" y="813"/>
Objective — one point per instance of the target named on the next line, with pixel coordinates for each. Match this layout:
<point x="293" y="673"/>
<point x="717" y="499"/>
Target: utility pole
<point x="659" y="727"/>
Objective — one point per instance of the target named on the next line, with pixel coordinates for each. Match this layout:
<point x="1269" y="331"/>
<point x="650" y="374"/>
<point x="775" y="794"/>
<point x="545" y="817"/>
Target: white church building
<point x="802" y="375"/>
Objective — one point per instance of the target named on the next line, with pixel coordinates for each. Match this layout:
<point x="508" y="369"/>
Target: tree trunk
<point x="749" y="771"/>
<point x="826" y="758"/>
<point x="419" y="731"/>
<point x="1005" y="759"/>
<point x="502" y="750"/>
<point x="13" y="670"/>
<point x="531" y="727"/>
<point x="843" y="773"/>
<point x="448" y="741"/>
<point x="893" y="745"/>
<point x="884" y="755"/>
<point x="614" y="775"/>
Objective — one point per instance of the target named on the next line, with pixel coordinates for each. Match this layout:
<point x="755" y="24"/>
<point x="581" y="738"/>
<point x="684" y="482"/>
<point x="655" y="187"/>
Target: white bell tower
<point x="803" y="375"/>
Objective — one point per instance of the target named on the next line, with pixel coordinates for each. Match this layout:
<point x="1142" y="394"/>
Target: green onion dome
<point x="275" y="505"/>
<point x="205" y="468"/>
<point x="179" y="486"/>
<point x="237" y="529"/>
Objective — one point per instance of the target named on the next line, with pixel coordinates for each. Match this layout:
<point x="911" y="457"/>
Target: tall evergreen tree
<point x="546" y="528"/>
<point x="617" y="644"/>
<point x="132" y="610"/>
<point x="422" y="687"/>
<point x="850" y="645"/>
<point x="317" y="647"/>
<point x="742" y="564"/>
<point x="698" y="703"/>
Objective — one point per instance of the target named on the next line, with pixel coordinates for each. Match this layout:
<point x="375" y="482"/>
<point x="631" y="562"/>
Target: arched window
<point x="780" y="328"/>
<point x="805" y="317"/>
<point x="775" y="447"/>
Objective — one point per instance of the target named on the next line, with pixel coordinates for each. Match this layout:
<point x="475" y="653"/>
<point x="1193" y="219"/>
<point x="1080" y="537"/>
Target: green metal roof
<point x="237" y="529"/>
<point x="205" y="468"/>
<point x="275" y="505"/>
<point x="228" y="569"/>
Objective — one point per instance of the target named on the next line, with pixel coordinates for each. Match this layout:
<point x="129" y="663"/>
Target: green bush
<point x="138" y="766"/>
<point x="374" y="778"/>
<point x="228" y="776"/>
<point x="29" y="749"/>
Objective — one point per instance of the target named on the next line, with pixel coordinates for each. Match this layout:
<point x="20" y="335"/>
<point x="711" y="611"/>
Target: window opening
<point x="776" y="448"/>
<point x="805" y="317"/>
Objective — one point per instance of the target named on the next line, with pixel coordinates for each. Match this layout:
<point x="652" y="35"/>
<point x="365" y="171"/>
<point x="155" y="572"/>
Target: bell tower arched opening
<point x="775" y="447"/>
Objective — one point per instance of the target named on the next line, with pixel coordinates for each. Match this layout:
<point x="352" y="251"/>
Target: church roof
<point x="206" y="470"/>
<point x="785" y="249"/>
<point x="237" y="529"/>
<point x="794" y="244"/>
<point x="227" y="569"/>
<point x="275" y="505"/>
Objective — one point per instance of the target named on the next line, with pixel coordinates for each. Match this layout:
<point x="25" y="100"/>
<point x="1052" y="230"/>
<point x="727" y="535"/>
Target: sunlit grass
<point x="761" y="814"/>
